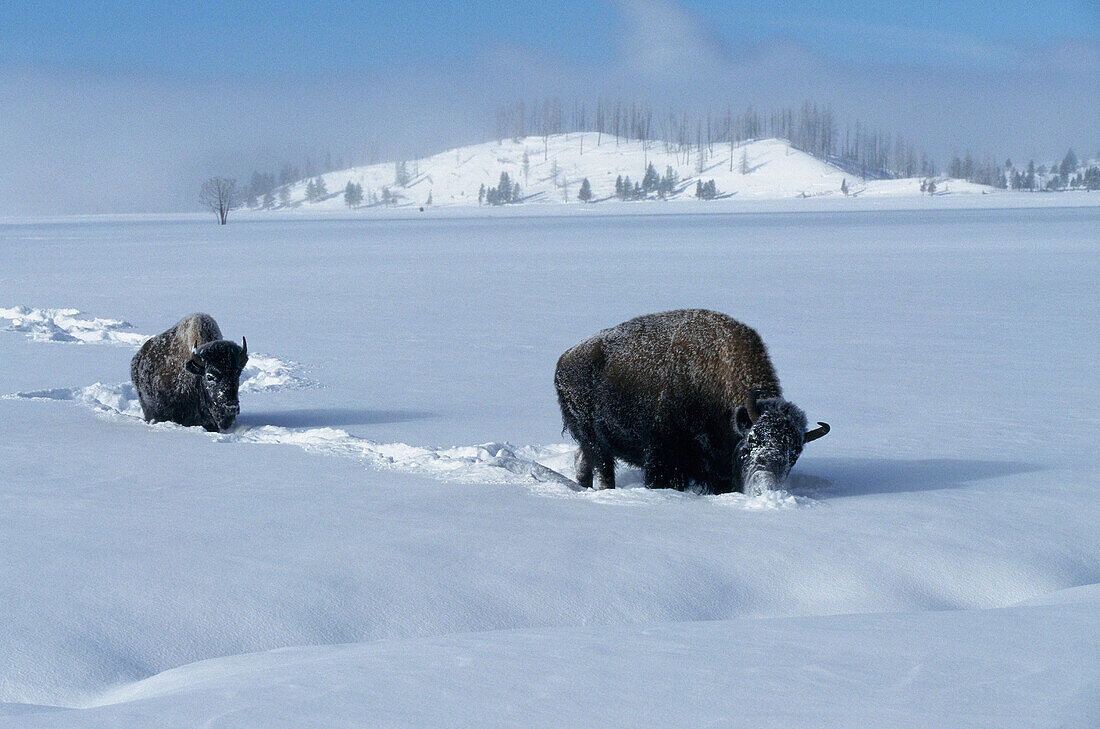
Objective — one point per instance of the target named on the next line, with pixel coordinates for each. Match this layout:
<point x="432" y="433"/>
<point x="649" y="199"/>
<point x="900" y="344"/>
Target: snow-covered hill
<point x="556" y="167"/>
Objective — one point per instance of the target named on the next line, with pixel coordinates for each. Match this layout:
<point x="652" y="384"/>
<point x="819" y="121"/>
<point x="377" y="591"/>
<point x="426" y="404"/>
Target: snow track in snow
<point x="261" y="374"/>
<point x="543" y="467"/>
<point x="70" y="325"/>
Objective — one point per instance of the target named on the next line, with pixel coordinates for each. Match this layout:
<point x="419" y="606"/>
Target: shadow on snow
<point x="863" y="476"/>
<point x="328" y="417"/>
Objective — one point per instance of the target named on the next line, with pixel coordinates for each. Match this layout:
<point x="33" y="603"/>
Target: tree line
<point x="696" y="136"/>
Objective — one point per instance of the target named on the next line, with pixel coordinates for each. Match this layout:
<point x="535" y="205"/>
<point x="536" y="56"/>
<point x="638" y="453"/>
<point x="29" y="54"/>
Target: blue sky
<point x="155" y="95"/>
<point x="273" y="40"/>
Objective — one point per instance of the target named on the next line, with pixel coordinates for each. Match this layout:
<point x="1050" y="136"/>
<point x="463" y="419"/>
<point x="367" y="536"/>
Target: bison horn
<point x="751" y="406"/>
<point x="244" y="345"/>
<point x="816" y="432"/>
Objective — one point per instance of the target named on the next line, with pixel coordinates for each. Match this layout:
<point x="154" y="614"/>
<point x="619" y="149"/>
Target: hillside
<point x="557" y="166"/>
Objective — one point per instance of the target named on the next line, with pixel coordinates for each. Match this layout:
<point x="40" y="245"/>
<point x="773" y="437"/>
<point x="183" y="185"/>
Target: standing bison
<point x="189" y="375"/>
<point x="689" y="396"/>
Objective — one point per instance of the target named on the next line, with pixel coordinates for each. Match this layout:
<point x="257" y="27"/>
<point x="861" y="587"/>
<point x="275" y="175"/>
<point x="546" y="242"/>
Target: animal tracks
<point x="542" y="468"/>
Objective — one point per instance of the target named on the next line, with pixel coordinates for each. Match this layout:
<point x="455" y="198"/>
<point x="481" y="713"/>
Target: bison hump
<point x="195" y="330"/>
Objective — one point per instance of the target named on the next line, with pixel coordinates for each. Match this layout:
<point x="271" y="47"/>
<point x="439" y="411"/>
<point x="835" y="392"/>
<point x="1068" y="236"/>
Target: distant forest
<point x="813" y="128"/>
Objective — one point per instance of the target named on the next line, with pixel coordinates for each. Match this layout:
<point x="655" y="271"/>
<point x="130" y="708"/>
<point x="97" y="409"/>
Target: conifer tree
<point x="585" y="194"/>
<point x="1069" y="164"/>
<point x="353" y="194"/>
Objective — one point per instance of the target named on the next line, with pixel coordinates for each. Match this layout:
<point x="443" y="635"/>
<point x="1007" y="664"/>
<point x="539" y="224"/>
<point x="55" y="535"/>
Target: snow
<point x="558" y="165"/>
<point x="389" y="537"/>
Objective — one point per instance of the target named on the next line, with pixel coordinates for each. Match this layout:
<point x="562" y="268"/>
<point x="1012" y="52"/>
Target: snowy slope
<point x="377" y="542"/>
<point x="774" y="170"/>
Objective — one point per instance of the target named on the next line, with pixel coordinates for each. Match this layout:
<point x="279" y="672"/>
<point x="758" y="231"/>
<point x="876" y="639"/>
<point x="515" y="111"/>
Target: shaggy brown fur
<point x="666" y="392"/>
<point x="189" y="375"/>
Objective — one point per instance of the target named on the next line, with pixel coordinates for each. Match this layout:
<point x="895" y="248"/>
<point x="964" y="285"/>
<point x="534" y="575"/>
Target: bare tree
<point x="220" y="196"/>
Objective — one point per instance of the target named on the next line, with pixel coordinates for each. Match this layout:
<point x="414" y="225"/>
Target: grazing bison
<point x="189" y="375"/>
<point x="689" y="396"/>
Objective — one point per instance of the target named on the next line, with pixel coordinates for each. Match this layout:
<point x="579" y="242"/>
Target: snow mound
<point x="70" y="325"/>
<point x="115" y="400"/>
<point x="267" y="374"/>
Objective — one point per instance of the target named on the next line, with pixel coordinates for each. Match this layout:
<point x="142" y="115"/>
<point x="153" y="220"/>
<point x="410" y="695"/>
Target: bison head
<point x="217" y="367"/>
<point x="772" y="432"/>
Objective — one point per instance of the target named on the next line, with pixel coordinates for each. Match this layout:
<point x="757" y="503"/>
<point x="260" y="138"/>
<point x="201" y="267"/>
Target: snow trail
<point x="547" y="469"/>
<point x="262" y="373"/>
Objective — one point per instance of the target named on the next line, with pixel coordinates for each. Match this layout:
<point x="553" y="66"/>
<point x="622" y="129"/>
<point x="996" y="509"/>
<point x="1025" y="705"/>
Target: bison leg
<point x="583" y="466"/>
<point x="604" y="467"/>
<point x="605" y="474"/>
<point x="660" y="470"/>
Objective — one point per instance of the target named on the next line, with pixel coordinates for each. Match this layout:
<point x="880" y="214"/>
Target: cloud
<point x="664" y="39"/>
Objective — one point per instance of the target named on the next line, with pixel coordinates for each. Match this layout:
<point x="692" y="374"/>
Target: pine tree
<point x="353" y="194"/>
<point x="269" y="200"/>
<point x="619" y="187"/>
<point x="744" y="161"/>
<point x="585" y="194"/>
<point x="526" y="167"/>
<point x="481" y="194"/>
<point x="1069" y="164"/>
<point x="1092" y="178"/>
<point x="429" y="200"/>
<point x="844" y="186"/>
<point x="955" y="168"/>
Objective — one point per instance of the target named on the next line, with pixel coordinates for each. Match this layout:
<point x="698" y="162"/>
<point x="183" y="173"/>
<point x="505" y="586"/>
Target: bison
<point x="689" y="396"/>
<point x="190" y="375"/>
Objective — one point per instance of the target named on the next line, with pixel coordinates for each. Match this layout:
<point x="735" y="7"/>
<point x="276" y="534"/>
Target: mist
<point x="78" y="141"/>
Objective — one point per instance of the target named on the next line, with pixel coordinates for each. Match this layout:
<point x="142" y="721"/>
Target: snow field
<point x="939" y="569"/>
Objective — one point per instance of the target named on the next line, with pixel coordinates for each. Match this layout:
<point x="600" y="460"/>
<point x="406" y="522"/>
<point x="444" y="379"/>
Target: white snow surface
<point x="390" y="535"/>
<point x="557" y="166"/>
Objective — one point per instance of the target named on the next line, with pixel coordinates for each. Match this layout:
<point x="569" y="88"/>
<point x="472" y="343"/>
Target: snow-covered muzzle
<point x="769" y="447"/>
